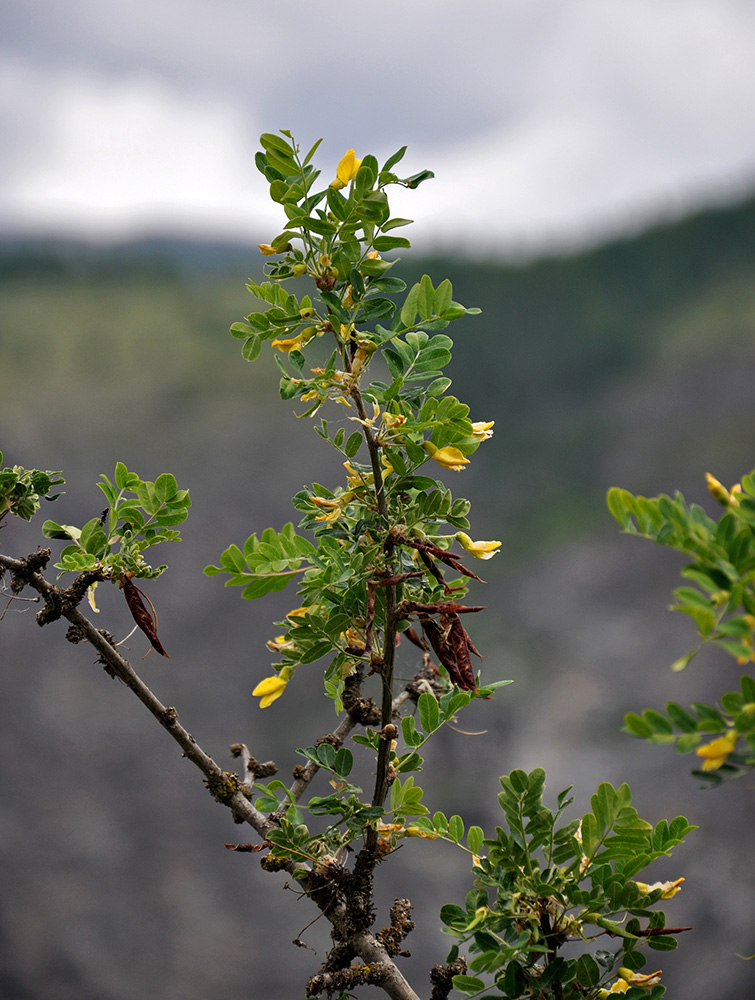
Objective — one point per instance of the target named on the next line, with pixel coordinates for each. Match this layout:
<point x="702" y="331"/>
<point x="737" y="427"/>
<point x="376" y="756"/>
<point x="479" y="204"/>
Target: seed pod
<point x="139" y="612"/>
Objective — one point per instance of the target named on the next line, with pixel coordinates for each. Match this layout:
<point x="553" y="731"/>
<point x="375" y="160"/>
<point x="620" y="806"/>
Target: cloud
<point x="545" y="122"/>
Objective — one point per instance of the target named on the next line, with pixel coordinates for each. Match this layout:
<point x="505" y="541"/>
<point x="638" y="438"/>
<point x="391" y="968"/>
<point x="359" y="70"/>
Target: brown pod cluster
<point x="452" y="646"/>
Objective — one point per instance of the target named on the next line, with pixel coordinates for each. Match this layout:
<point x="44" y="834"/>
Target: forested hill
<point x="630" y="365"/>
<point x="555" y="341"/>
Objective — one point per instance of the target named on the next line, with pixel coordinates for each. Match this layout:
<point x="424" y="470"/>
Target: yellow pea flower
<point x="269" y="251"/>
<point x="294" y="343"/>
<point x="449" y="457"/>
<point x="716" y="752"/>
<point x="90" y="597"/>
<point x="333" y="506"/>
<point x="269" y="689"/>
<point x="668" y="889"/>
<point x="299" y="612"/>
<point x="482" y="429"/>
<point x="346" y="170"/>
<point x="480" y="550"/>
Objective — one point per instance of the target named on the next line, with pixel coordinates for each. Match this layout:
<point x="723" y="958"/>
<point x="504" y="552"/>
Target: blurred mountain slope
<point x="630" y="365"/>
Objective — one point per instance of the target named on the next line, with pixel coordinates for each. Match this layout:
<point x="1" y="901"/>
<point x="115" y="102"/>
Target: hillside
<point x="630" y="365"/>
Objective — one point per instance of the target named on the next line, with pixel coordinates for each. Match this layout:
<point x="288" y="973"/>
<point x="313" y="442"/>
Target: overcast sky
<point x="547" y="122"/>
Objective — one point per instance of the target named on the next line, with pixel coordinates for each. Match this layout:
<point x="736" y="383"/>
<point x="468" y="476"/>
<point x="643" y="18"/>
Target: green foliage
<point x="721" y="601"/>
<point x="113" y="543"/>
<point x="382" y="562"/>
<point x="22" y="489"/>
<point x="377" y="558"/>
<point x="732" y="726"/>
<point x="386" y="522"/>
<point x="547" y="883"/>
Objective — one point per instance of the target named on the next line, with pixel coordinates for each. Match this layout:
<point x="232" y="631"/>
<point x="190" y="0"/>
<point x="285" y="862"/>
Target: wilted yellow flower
<point x="668" y="889"/>
<point x="398" y="830"/>
<point x="370" y="420"/>
<point x="280" y="644"/>
<point x="346" y="171"/>
<point x="357" y="479"/>
<point x="393" y="419"/>
<point x="480" y="550"/>
<point x="644" y="981"/>
<point x="449" y="457"/>
<point x="716" y="752"/>
<point x="481" y="429"/>
<point x="628" y="978"/>
<point x="90" y="597"/>
<point x="333" y="506"/>
<point x="269" y="689"/>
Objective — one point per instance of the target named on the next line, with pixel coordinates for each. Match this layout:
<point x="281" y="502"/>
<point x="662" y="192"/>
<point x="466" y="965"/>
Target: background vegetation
<point x="631" y="365"/>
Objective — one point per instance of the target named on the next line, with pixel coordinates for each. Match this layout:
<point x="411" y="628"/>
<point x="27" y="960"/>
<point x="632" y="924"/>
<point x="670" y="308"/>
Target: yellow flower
<point x="280" y="644"/>
<point x="269" y="689"/>
<point x="716" y="752"/>
<point x="346" y="171"/>
<point x="90" y="597"/>
<point x="481" y="429"/>
<point x="269" y="251"/>
<point x="480" y="550"/>
<point x="449" y="457"/>
<point x="637" y="979"/>
<point x="628" y="978"/>
<point x="397" y="831"/>
<point x="393" y="419"/>
<point x="333" y="506"/>
<point x="668" y="889"/>
<point x="294" y="343"/>
<point x="299" y="612"/>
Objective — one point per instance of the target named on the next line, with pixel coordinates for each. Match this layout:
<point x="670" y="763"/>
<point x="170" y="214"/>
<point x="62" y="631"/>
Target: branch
<point x="225" y="787"/>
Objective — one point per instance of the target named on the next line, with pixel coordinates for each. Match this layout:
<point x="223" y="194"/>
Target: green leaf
<point x="637" y="726"/>
<point x="468" y="984"/>
<point x="93" y="538"/>
<point x="409" y="731"/>
<point x="589" y="834"/>
<point x="588" y="971"/>
<point x="440" y="822"/>
<point x="166" y="487"/>
<point x="681" y="718"/>
<point x="451" y="914"/>
<point x="429" y="713"/>
<point x="353" y="444"/>
<point x="384" y="243"/>
<point x="51" y="529"/>
<point x="250" y="349"/>
<point x="393" y="160"/>
<point x="662" y="942"/>
<point x="409" y="308"/>
<point x="456" y="829"/>
<point x="475" y="837"/>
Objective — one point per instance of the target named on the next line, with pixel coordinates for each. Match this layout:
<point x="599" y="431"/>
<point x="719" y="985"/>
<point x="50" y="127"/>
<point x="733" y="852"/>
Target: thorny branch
<point x="348" y="900"/>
